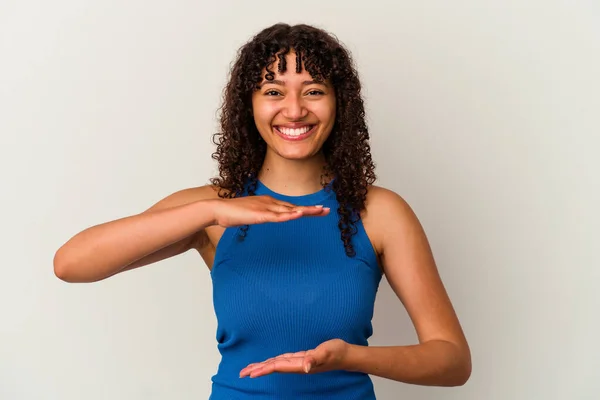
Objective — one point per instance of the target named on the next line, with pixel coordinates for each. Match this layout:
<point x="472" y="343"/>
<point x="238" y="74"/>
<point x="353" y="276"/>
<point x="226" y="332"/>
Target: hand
<point x="328" y="356"/>
<point x="260" y="209"/>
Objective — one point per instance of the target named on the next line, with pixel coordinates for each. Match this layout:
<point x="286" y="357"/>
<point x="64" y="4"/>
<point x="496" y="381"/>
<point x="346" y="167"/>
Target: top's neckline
<point x="302" y="200"/>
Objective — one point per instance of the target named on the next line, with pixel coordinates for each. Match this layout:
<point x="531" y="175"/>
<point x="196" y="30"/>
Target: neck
<point x="292" y="177"/>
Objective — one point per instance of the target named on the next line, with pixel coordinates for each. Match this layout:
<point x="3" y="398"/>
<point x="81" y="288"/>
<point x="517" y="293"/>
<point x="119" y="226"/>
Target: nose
<point x="293" y="108"/>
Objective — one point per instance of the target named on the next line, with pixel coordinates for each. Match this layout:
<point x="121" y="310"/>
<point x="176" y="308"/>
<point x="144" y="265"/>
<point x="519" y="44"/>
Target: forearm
<point x="106" y="249"/>
<point x="434" y="363"/>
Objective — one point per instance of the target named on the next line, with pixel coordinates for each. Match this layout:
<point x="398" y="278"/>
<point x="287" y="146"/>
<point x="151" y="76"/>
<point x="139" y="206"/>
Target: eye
<point x="271" y="93"/>
<point x="315" y="92"/>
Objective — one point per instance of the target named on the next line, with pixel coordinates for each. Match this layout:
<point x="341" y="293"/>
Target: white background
<point x="484" y="117"/>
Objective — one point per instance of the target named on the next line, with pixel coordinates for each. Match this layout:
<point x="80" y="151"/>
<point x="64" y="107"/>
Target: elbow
<point x="456" y="366"/>
<point x="462" y="376"/>
<point x="65" y="267"/>
<point x="461" y="371"/>
<point x="71" y="267"/>
<point x="61" y="266"/>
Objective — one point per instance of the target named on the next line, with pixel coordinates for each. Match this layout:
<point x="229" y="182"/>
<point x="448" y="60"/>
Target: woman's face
<point x="293" y="114"/>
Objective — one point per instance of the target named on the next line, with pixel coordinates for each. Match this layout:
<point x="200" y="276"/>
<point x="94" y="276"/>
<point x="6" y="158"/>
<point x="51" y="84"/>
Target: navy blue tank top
<point x="288" y="287"/>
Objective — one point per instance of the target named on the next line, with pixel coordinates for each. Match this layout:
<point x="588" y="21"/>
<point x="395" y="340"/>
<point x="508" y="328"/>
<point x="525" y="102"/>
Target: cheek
<point x="265" y="113"/>
<point x="327" y="113"/>
<point x="329" y="107"/>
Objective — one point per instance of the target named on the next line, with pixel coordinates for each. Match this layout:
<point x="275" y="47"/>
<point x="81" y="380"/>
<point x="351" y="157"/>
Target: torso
<point x="289" y="287"/>
<point x="207" y="240"/>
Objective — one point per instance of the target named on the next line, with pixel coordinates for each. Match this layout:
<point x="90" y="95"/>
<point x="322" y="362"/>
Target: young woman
<point x="296" y="236"/>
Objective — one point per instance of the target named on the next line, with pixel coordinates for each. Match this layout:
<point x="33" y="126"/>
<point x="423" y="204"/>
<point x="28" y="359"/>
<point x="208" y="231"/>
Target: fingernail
<point x="319" y="205"/>
<point x="307" y="368"/>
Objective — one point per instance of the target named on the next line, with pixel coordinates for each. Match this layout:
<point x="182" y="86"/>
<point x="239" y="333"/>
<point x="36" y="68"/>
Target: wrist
<point x="354" y="353"/>
<point x="212" y="206"/>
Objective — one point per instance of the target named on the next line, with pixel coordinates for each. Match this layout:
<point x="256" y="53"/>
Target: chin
<point x="292" y="154"/>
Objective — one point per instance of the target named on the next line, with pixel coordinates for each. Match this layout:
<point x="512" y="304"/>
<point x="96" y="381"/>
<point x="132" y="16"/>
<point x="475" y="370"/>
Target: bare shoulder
<point x="378" y="196"/>
<point x="412" y="273"/>
<point x="203" y="241"/>
<point x="384" y="205"/>
<point x="386" y="214"/>
<point x="186" y="196"/>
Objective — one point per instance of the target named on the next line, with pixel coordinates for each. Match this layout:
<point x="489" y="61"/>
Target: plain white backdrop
<point x="484" y="116"/>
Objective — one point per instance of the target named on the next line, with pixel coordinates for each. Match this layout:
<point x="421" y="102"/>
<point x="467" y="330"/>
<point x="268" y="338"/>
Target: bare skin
<point x="196" y="218"/>
<point x="189" y="219"/>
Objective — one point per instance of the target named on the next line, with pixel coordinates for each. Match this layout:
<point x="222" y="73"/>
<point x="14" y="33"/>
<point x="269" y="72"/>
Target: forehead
<point x="286" y="70"/>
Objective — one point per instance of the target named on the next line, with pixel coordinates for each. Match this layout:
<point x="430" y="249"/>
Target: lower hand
<point x="328" y="356"/>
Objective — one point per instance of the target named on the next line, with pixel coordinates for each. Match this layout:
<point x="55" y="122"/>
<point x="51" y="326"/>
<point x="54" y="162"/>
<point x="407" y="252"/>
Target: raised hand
<point x="261" y="209"/>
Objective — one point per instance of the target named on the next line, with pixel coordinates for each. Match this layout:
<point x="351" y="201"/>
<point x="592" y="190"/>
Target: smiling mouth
<point x="295" y="133"/>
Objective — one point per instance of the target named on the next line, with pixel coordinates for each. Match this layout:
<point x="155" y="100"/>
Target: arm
<point x="168" y="228"/>
<point x="442" y="357"/>
<point x="172" y="226"/>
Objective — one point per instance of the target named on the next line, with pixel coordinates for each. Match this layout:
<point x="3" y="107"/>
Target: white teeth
<point x="295" y="131"/>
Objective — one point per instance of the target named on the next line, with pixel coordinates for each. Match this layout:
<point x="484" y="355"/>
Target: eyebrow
<point x="282" y="83"/>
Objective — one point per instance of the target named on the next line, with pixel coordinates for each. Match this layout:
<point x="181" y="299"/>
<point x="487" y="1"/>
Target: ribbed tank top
<point x="288" y="287"/>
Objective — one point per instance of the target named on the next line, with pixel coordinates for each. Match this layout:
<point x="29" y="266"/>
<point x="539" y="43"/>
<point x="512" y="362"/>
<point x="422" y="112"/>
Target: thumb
<point x="308" y="363"/>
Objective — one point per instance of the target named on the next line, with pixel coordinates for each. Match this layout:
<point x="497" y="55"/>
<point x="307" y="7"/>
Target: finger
<point x="311" y="361"/>
<point x="286" y="355"/>
<point x="297" y="354"/>
<point x="284" y="203"/>
<point x="307" y="364"/>
<point x="288" y="205"/>
<point x="316" y="211"/>
<point x="251" y="367"/>
<point x="272" y="216"/>
<point x="286" y="216"/>
<point x="258" y="364"/>
<point x="254" y="367"/>
<point x="288" y="362"/>
<point x="309" y="210"/>
<point x="246" y="371"/>
<point x="281" y="208"/>
<point x="285" y="365"/>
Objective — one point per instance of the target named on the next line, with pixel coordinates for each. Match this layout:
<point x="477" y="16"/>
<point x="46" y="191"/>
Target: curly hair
<point x="240" y="151"/>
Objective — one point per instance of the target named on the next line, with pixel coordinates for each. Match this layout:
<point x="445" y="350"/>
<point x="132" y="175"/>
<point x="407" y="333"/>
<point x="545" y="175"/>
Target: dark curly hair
<point x="240" y="151"/>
